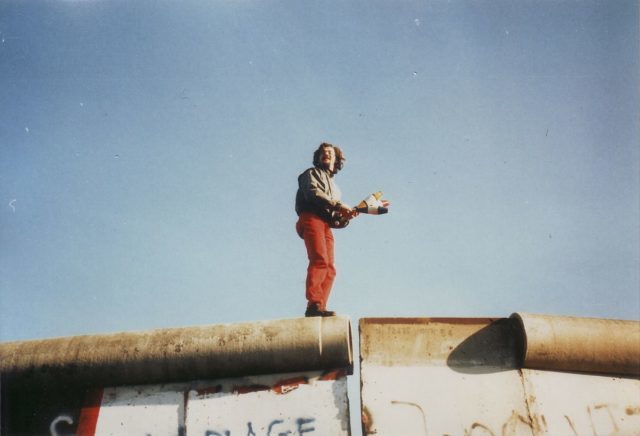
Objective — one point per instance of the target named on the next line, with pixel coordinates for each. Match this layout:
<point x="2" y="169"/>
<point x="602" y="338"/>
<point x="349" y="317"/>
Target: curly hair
<point x="340" y="158"/>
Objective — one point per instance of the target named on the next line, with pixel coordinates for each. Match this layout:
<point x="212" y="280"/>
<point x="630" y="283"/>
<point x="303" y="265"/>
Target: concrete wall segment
<point x="464" y="376"/>
<point x="438" y="341"/>
<point x="440" y="376"/>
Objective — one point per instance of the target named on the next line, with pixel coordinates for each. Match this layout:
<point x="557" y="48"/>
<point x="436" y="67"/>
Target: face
<point x="328" y="158"/>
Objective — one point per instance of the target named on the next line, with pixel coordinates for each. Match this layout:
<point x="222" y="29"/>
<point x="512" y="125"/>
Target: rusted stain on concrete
<point x="367" y="421"/>
<point x="632" y="410"/>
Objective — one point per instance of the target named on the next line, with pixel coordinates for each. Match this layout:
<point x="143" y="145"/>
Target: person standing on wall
<point x="319" y="210"/>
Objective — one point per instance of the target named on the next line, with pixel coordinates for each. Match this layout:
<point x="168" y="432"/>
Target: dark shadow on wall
<point x="495" y="348"/>
<point x="31" y="409"/>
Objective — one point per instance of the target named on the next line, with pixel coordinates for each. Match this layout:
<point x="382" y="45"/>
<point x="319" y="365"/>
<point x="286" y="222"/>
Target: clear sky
<point x="149" y="152"/>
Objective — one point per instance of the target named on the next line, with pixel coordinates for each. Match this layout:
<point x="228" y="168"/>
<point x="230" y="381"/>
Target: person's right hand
<point x="347" y="212"/>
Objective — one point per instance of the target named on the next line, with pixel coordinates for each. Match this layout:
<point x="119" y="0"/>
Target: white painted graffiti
<point x="54" y="424"/>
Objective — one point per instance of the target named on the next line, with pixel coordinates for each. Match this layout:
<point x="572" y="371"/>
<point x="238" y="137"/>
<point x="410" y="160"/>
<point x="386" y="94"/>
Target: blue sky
<point x="149" y="153"/>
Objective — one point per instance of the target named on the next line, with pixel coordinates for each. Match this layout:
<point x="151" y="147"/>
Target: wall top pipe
<point x="565" y="343"/>
<point x="169" y="355"/>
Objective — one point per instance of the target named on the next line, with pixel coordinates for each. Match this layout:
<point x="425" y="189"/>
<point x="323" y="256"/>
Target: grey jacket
<point x="317" y="193"/>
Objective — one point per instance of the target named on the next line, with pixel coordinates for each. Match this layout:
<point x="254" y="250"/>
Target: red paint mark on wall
<point x="249" y="388"/>
<point x="287" y="385"/>
<point x="89" y="414"/>
<point x="334" y="375"/>
<point x="209" y="390"/>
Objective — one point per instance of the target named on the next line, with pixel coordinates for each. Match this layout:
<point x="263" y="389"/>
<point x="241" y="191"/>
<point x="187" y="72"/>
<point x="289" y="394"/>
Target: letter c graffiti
<point x="55" y="422"/>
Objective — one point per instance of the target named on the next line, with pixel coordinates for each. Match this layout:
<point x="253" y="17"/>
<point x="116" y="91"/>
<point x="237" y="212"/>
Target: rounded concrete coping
<point x="579" y="344"/>
<point x="181" y="354"/>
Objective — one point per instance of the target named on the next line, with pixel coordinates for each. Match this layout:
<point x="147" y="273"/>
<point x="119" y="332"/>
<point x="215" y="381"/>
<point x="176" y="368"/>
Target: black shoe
<point x="313" y="310"/>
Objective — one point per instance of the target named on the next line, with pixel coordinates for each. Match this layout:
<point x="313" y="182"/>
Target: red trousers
<point x="321" y="271"/>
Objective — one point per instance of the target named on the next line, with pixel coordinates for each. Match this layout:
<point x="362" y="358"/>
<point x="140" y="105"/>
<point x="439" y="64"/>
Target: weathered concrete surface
<point x="607" y="346"/>
<point x="565" y="403"/>
<point x="142" y="410"/>
<point x="293" y="405"/>
<point x="457" y="342"/>
<point x="429" y="376"/>
<point x="303" y="403"/>
<point x="163" y="356"/>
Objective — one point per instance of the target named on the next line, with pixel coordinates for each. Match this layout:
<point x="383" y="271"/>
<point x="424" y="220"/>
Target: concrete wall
<point x="466" y="377"/>
<point x="523" y="375"/>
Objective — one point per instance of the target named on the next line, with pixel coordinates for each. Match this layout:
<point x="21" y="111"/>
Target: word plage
<point x="277" y="427"/>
